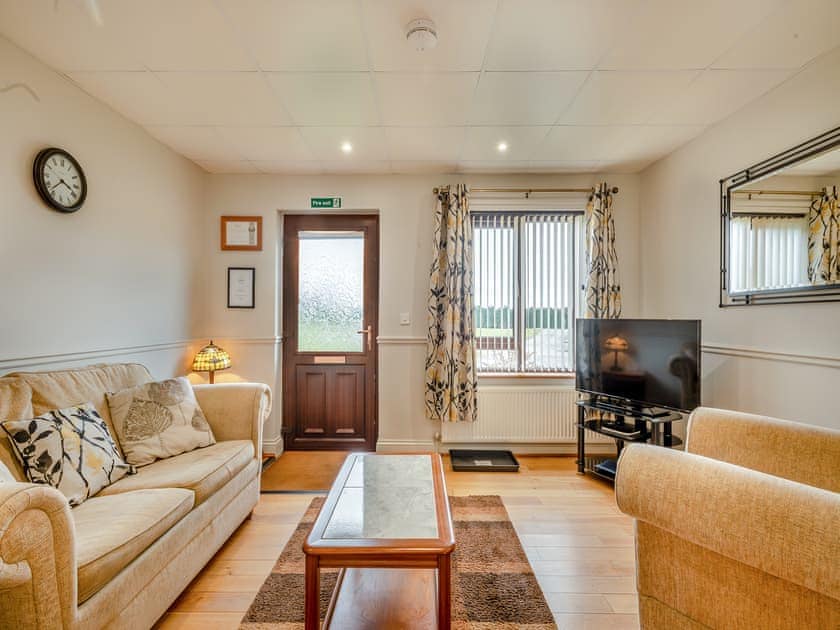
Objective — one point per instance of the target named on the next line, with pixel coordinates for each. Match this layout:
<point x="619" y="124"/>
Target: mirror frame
<point x="765" y="168"/>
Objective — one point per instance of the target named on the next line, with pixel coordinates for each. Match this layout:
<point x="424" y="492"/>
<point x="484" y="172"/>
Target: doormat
<point x="483" y="461"/>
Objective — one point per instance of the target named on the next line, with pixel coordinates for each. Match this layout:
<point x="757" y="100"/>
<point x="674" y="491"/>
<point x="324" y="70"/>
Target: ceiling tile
<point x="613" y="97"/>
<point x="325" y="143"/>
<point x="683" y="34"/>
<point x="434" y="99"/>
<point x="469" y="166"/>
<point x="221" y="98"/>
<point x="439" y="144"/>
<point x="267" y="143"/>
<point x="716" y="94"/>
<point x="480" y="143"/>
<point x="300" y="34"/>
<point x="153" y="34"/>
<point x="182" y="35"/>
<point x="651" y="142"/>
<point x="788" y="38"/>
<point x="463" y="29"/>
<point x="64" y="35"/>
<point x="554" y="34"/>
<point x="227" y="166"/>
<point x="196" y="143"/>
<point x="140" y="96"/>
<point x="562" y="166"/>
<point x="431" y="166"/>
<point x="358" y="167"/>
<point x="524" y="98"/>
<point x="587" y="143"/>
<point x="327" y="98"/>
<point x="289" y="167"/>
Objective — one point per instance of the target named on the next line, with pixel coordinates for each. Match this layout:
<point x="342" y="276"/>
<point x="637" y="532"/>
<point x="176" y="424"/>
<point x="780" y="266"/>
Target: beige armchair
<point x="742" y="530"/>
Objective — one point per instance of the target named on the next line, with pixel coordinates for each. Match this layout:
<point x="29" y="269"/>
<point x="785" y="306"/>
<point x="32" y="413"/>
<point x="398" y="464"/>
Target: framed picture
<point x="242" y="234"/>
<point x="240" y="286"/>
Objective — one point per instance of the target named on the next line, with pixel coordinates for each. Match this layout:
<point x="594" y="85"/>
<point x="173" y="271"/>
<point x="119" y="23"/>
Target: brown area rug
<point x="493" y="586"/>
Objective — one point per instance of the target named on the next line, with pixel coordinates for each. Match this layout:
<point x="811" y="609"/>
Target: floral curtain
<point x="603" y="290"/>
<point x="450" y="358"/>
<point x="824" y="239"/>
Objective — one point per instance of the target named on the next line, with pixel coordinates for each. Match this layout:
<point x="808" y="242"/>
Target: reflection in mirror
<point x="784" y="230"/>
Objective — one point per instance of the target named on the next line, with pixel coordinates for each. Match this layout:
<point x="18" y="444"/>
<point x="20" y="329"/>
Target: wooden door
<point x="330" y="324"/>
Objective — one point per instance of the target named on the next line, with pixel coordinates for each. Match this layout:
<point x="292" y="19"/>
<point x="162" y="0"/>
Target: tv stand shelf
<point x="627" y="424"/>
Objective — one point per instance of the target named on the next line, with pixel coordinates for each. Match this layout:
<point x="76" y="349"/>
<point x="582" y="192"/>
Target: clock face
<point x="60" y="180"/>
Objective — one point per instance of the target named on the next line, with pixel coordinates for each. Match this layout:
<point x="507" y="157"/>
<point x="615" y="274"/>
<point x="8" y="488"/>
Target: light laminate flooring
<point x="579" y="544"/>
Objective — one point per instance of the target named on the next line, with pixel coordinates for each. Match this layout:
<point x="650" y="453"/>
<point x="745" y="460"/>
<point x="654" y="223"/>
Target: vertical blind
<point x="525" y="291"/>
<point x="768" y="252"/>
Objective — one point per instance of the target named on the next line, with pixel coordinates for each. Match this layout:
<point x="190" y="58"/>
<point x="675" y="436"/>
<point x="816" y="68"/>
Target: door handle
<point x="369" y="332"/>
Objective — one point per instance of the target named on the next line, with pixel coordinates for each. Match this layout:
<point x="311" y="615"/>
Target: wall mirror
<point x="780" y="227"/>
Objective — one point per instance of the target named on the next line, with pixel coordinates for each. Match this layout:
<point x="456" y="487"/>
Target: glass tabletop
<point x="386" y="496"/>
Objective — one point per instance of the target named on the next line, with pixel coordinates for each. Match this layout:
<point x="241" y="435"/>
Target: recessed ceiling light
<point x="346" y="147"/>
<point x="502" y="147"/>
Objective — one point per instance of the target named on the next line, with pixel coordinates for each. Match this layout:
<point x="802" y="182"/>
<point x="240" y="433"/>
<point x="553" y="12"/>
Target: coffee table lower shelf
<point x="384" y="598"/>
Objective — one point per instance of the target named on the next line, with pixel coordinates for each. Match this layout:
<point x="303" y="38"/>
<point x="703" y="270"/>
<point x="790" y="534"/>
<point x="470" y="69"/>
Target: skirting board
<point x="273" y="446"/>
<point x="424" y="446"/>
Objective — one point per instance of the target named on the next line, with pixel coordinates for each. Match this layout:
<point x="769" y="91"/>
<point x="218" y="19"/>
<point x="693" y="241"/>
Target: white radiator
<point x="525" y="415"/>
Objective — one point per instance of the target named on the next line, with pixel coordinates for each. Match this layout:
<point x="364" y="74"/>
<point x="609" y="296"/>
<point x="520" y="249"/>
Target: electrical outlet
<point x="405" y="319"/>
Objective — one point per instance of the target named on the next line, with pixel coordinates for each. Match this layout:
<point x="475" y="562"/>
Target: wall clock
<point x="59" y="180"/>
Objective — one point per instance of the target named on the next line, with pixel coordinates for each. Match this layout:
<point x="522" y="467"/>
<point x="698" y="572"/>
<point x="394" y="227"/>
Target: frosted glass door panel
<point x="331" y="290"/>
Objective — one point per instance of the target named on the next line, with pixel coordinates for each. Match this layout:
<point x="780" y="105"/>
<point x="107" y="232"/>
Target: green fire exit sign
<point x="325" y="202"/>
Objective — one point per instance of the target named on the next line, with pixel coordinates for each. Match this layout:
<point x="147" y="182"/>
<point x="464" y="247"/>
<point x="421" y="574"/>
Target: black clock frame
<point x="40" y="186"/>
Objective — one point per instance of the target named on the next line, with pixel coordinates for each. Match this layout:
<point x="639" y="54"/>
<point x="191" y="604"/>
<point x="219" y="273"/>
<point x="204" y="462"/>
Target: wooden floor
<point x="579" y="544"/>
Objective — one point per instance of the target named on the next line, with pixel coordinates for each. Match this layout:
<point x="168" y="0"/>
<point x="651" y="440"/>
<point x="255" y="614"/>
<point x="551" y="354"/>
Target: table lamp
<point x="211" y="358"/>
<point x="616" y="344"/>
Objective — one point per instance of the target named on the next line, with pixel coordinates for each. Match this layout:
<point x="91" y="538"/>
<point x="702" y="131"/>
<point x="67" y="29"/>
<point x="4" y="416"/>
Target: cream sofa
<point x="742" y="530"/>
<point x="121" y="558"/>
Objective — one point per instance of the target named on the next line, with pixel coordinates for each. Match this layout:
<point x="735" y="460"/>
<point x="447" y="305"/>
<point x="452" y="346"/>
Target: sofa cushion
<point x="112" y="531"/>
<point x="203" y="470"/>
<point x="15" y="404"/>
<point x="65" y="388"/>
<point x="69" y="449"/>
<point x="158" y="420"/>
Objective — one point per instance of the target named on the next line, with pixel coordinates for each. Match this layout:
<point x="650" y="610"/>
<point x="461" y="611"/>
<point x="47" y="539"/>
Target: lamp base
<point x="212" y="378"/>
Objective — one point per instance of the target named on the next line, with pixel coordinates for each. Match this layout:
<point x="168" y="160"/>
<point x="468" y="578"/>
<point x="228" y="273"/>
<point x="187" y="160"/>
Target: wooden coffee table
<point x="382" y="512"/>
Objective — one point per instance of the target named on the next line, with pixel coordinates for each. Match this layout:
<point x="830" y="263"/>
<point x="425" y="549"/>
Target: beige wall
<point x="405" y="206"/>
<point x="121" y="278"/>
<point x="780" y="360"/>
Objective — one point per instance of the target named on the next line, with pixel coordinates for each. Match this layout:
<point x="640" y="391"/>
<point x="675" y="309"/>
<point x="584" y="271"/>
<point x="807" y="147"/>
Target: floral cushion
<point x="158" y="420"/>
<point x="69" y="449"/>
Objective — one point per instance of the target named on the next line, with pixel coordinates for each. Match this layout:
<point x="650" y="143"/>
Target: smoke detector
<point x="422" y="34"/>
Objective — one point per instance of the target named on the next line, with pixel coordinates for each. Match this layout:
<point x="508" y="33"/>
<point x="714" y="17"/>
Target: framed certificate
<point x="242" y="234"/>
<point x="240" y="285"/>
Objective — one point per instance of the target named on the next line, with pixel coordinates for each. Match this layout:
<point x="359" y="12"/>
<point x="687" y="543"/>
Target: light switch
<point x="405" y="319"/>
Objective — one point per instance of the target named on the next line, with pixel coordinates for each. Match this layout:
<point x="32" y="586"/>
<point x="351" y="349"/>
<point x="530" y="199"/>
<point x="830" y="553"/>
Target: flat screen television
<point x="640" y="362"/>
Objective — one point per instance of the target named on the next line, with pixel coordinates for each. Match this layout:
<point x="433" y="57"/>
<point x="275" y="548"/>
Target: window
<point x="768" y="252"/>
<point x="526" y="290"/>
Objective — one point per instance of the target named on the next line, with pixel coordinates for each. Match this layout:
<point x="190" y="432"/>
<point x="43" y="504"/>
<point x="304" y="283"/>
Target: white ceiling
<point x="570" y="85"/>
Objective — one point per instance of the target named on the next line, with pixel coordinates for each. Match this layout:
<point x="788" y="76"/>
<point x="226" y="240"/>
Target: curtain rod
<point x="771" y="215"/>
<point x="804" y="193"/>
<point x="528" y="191"/>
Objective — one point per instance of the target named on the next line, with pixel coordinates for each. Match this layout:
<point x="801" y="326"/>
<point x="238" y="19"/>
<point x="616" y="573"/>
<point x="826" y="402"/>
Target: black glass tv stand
<point x="625" y="424"/>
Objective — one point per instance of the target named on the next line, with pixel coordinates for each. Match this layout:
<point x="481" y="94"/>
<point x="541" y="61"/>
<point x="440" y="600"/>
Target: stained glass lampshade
<point x="211" y="358"/>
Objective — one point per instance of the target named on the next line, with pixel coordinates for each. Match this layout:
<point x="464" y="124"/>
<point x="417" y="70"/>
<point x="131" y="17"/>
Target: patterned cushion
<point x="158" y="420"/>
<point x="68" y="449"/>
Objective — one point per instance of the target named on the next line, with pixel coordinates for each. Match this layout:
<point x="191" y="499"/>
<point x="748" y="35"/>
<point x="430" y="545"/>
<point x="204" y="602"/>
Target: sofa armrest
<point x="37" y="558"/>
<point x="787" y="529"/>
<point x="236" y="411"/>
